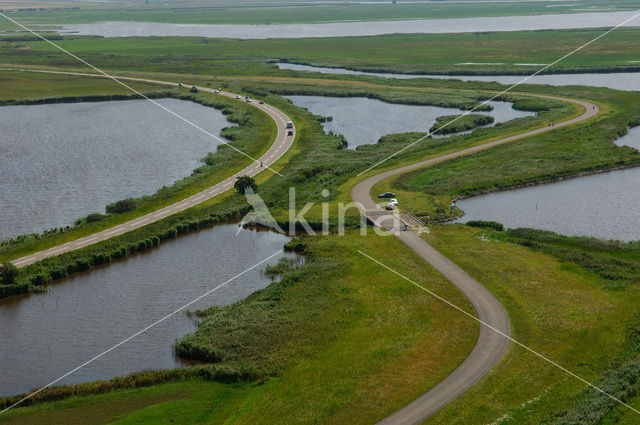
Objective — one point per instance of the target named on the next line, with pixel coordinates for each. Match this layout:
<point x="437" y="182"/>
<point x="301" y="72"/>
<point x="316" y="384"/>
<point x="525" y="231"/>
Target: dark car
<point x="290" y="133"/>
<point x="261" y="102"/>
<point x="387" y="195"/>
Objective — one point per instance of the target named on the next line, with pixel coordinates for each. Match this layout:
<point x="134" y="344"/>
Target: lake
<point x="44" y="335"/>
<point x="63" y="161"/>
<point x="364" y="121"/>
<point x="340" y="29"/>
<point x="603" y="205"/>
<point x="629" y="81"/>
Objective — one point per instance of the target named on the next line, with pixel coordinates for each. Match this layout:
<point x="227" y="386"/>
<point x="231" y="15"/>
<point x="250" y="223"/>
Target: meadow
<point x="290" y="347"/>
<point x="406" y="341"/>
<point x="257" y="12"/>
<point x="402" y="53"/>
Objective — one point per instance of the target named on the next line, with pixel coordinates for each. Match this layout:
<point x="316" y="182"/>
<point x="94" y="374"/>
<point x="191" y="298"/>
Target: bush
<point x="486" y="225"/>
<point x="245" y="182"/>
<point x="8" y="273"/>
<point x="92" y="218"/>
<point x="121" y="206"/>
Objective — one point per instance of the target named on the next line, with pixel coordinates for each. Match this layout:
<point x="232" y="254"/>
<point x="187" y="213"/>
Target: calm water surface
<point x="43" y="336"/>
<point x="363" y="121"/>
<point x="64" y="161"/>
<point x="604" y="205"/>
<point x="339" y="29"/>
<point x="629" y="81"/>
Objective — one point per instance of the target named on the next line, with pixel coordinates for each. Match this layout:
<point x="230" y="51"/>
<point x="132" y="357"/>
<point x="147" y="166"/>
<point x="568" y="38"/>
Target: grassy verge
<point x="253" y="135"/>
<point x="577" y="150"/>
<point x="557" y="308"/>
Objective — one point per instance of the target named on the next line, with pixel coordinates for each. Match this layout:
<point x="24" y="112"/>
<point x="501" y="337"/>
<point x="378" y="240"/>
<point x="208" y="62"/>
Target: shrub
<point x="245" y="182"/>
<point x="8" y="273"/>
<point x="486" y="225"/>
<point x="93" y="217"/>
<point x="121" y="206"/>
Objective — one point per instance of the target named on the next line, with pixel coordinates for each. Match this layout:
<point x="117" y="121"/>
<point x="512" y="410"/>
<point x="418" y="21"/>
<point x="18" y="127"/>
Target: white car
<point x="238" y="97"/>
<point x="216" y="91"/>
<point x="393" y="201"/>
<point x="390" y="206"/>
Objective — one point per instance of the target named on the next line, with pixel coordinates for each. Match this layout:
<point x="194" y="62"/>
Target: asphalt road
<point x="491" y="345"/>
<point x="279" y="147"/>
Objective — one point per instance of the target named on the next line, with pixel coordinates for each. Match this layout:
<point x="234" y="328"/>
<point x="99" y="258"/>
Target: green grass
<point x="556" y="308"/>
<point x="448" y="124"/>
<point x="254" y="135"/>
<point x="256" y="13"/>
<point x="405" y="53"/>
<point x="564" y="152"/>
<point x="406" y="342"/>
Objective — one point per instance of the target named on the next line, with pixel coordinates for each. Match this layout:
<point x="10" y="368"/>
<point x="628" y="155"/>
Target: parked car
<point x="290" y="133"/>
<point x="393" y="201"/>
<point x="390" y="206"/>
<point x="387" y="195"/>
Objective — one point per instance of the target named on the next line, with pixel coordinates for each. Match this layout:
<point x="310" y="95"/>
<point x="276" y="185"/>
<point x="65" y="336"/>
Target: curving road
<point x="279" y="147"/>
<point x="491" y="345"/>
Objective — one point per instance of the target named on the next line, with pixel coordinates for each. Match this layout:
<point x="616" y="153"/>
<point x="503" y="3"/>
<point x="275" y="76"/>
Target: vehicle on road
<point x="193" y="89"/>
<point x="289" y="124"/>
<point x="387" y="195"/>
<point x="393" y="201"/>
<point x="290" y="133"/>
<point x="179" y="84"/>
<point x="261" y="102"/>
<point x="238" y="97"/>
<point x="390" y="206"/>
<point x="216" y="91"/>
<point x="247" y="99"/>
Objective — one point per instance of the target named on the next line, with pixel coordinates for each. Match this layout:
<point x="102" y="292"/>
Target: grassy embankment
<point x="254" y="133"/>
<point x="315" y="156"/>
<point x="558" y="154"/>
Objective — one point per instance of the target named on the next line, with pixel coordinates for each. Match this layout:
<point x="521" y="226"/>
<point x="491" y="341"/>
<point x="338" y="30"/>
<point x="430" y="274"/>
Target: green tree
<point x="245" y="182"/>
<point x="8" y="273"/>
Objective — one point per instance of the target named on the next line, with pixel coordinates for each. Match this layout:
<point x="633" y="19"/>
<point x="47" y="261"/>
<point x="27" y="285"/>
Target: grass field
<point x="301" y="335"/>
<point x="417" y="53"/>
<point x="293" y="12"/>
<point x="405" y="342"/>
<point x="403" y="338"/>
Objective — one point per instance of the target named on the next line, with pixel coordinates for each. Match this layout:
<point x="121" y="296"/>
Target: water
<point x="363" y="121"/>
<point x="64" y="161"/>
<point x="341" y="29"/>
<point x="45" y="335"/>
<point x="629" y="81"/>
<point x="604" y="205"/>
